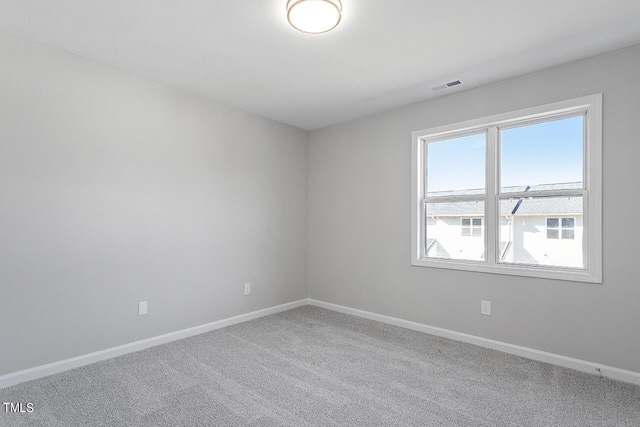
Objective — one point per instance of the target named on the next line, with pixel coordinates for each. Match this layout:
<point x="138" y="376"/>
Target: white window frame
<point x="591" y="107"/>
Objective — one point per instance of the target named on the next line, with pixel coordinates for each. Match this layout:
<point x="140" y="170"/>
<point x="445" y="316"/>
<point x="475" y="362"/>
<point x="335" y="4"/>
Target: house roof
<point x="533" y="206"/>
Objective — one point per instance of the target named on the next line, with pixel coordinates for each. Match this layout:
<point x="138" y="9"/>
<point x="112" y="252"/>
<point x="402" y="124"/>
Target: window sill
<point x="543" y="272"/>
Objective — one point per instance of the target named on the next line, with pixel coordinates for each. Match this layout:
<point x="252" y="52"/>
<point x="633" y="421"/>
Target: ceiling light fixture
<point x="314" y="16"/>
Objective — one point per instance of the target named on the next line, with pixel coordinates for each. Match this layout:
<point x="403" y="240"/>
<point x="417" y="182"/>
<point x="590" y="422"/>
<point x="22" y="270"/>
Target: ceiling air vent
<point x="447" y="85"/>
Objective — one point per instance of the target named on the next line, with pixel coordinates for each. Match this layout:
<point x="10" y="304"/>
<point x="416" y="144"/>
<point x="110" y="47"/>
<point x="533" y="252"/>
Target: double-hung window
<point x="471" y="227"/>
<point x="561" y="228"/>
<point x="526" y="184"/>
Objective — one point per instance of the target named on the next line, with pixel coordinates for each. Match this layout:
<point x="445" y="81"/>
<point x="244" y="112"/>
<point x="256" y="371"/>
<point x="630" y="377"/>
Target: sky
<point x="543" y="153"/>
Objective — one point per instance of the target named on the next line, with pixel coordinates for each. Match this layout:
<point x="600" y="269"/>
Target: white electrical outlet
<point x="485" y="308"/>
<point x="247" y="288"/>
<point x="142" y="308"/>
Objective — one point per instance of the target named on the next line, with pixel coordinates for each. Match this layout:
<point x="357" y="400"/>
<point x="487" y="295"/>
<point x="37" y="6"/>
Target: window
<point x="517" y="193"/>
<point x="471" y="227"/>
<point x="561" y="228"/>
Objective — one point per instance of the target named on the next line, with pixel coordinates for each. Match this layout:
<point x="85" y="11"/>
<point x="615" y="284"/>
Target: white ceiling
<point x="384" y="53"/>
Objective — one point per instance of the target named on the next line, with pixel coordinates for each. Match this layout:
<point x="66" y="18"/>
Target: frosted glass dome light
<point x="314" y="16"/>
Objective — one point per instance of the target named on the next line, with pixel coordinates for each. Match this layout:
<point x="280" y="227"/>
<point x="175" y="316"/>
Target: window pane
<point x="477" y="221"/>
<point x="567" y="222"/>
<point x="543" y="156"/>
<point x="477" y="232"/>
<point x="446" y="236"/>
<point x="552" y="222"/>
<point x="466" y="222"/>
<point x="456" y="166"/>
<point x="526" y="239"/>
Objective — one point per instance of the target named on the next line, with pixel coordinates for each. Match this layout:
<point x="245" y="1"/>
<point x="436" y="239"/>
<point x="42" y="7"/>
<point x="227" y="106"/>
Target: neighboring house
<point x="537" y="231"/>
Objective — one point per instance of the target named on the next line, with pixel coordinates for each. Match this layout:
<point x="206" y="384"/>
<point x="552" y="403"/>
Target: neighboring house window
<point x="471" y="227"/>
<point x="561" y="228"/>
<point x="494" y="179"/>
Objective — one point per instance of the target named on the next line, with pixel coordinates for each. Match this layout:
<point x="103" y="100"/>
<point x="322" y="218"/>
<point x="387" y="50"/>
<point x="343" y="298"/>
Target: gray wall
<point x="359" y="222"/>
<point x="115" y="189"/>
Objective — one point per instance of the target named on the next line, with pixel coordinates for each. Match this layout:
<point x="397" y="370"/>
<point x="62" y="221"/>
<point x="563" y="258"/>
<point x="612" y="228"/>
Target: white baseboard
<point x="529" y="353"/>
<point x="86" y="359"/>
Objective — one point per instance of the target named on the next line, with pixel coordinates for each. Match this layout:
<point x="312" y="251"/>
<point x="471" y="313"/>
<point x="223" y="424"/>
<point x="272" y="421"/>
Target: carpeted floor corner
<point x="315" y="367"/>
